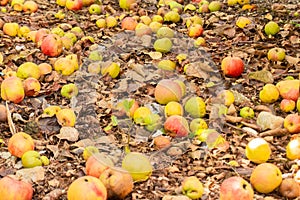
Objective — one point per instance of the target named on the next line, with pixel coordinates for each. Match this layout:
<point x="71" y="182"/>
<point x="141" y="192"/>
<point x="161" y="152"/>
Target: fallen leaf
<point x="34" y="174"/>
<point x="263" y="76"/>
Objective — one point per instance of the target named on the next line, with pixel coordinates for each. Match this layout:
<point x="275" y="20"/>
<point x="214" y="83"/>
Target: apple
<point x="45" y="68"/>
<point x="72" y="36"/>
<point x="167" y="90"/>
<point x="192" y="187"/>
<point x="200" y="41"/>
<point x="28" y="69"/>
<point x="289" y="188"/>
<point x="172" y="16"/>
<point x="32" y="86"/>
<point x="40" y="35"/>
<point x="293" y="149"/>
<point x="52" y="45"/>
<point x="195" y="30"/>
<point x="31" y="159"/>
<point x="67" y="42"/>
<point x="127" y="107"/>
<point x="13" y="189"/>
<point x="74" y="4"/>
<point x="258" y="150"/>
<point x="145" y="19"/>
<point x="289" y="89"/>
<point x="242" y="22"/>
<point x="152" y="122"/>
<point x="197" y="124"/>
<point x="269" y="93"/>
<point x="128" y="23"/>
<point x="88" y="2"/>
<point x="64" y="66"/>
<point x="176" y="126"/>
<point x="69" y="90"/>
<point x="266" y="177"/>
<point x="50" y="111"/>
<point x="17" y="5"/>
<point x="276" y="54"/>
<point x="292" y="123"/>
<point x="101" y="23"/>
<point x="61" y="2"/>
<point x="214" y="6"/>
<point x="30" y="36"/>
<point x="19" y="143"/>
<point x="3" y="2"/>
<point x="232" y="2"/>
<point x="95" y="9"/>
<point x="243" y="2"/>
<point x="97" y="163"/>
<point x="166" y="65"/>
<point x="298" y="104"/>
<point x="87" y="188"/>
<point x="165" y="32"/>
<point x="138" y="165"/>
<point x="161" y="142"/>
<point x="11" y="29"/>
<point x="157" y="18"/>
<point x="226" y="96"/>
<point x="118" y="182"/>
<point x="140" y="114"/>
<point x="204" y="8"/>
<point x="247" y="112"/>
<point x="66" y="117"/>
<point x="73" y="57"/>
<point x="58" y="31"/>
<point x="232" y="66"/>
<point x="287" y="105"/>
<point x="271" y="28"/>
<point x="111" y="21"/>
<point x="30" y="6"/>
<point x="173" y="108"/>
<point x="126" y="4"/>
<point x="3" y="113"/>
<point x="12" y="89"/>
<point x="195" y="106"/>
<point x="23" y="31"/>
<point x="236" y="188"/>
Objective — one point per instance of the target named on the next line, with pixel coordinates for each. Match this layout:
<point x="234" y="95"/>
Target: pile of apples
<point x="28" y="6"/>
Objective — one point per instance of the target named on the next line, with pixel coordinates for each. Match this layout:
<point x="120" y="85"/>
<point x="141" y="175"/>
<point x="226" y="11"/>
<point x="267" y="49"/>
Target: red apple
<point x="287" y="105"/>
<point x="97" y="164"/>
<point x="292" y="123"/>
<point x="87" y="188"/>
<point x="19" y="143"/>
<point x="52" y="45"/>
<point x="236" y="188"/>
<point x="289" y="89"/>
<point x="276" y="54"/>
<point x="176" y="126"/>
<point x="12" y="89"/>
<point x="232" y="66"/>
<point x="3" y="2"/>
<point x="32" y="86"/>
<point x="30" y="6"/>
<point x="195" y="30"/>
<point x="13" y="189"/>
<point x="74" y="4"/>
<point x="129" y="23"/>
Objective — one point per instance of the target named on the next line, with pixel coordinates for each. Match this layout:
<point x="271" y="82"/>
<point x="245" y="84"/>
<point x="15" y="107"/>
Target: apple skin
<point x="32" y="86"/>
<point x="128" y="23"/>
<point x="3" y="2"/>
<point x="11" y="29"/>
<point x="276" y="54"/>
<point x="97" y="164"/>
<point x="31" y="159"/>
<point x="292" y="123"/>
<point x="87" y="188"/>
<point x="69" y="90"/>
<point x="66" y="117"/>
<point x="74" y="4"/>
<point x="28" y="69"/>
<point x="95" y="9"/>
<point x="192" y="187"/>
<point x="118" y="182"/>
<point x="13" y="189"/>
<point x="64" y="66"/>
<point x="40" y="35"/>
<point x="232" y="66"/>
<point x="52" y="45"/>
<point x="19" y="143"/>
<point x="236" y="188"/>
<point x="167" y="90"/>
<point x="30" y="6"/>
<point x="61" y="2"/>
<point x="12" y="89"/>
<point x="176" y="126"/>
<point x="3" y="113"/>
<point x="126" y="4"/>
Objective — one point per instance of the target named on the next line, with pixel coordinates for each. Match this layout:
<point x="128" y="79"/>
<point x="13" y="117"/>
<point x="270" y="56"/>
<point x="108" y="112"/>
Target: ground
<point x="98" y="93"/>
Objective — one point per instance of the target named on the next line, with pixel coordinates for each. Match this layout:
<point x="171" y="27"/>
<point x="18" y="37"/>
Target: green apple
<point x="214" y="6"/>
<point x="95" y="9"/>
<point x="276" y="54"/>
<point x="192" y="187"/>
<point x="247" y="112"/>
<point x="31" y="159"/>
<point x="271" y="28"/>
<point x="69" y="90"/>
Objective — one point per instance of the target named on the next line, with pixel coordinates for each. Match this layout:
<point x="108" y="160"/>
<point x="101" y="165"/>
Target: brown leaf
<point x="68" y="133"/>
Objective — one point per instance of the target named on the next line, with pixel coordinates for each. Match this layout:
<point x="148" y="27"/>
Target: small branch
<point x="274" y="132"/>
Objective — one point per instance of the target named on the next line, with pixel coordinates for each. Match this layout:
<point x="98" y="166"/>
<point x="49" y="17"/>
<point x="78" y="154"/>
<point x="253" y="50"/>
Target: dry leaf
<point x="68" y="133"/>
<point x="34" y="174"/>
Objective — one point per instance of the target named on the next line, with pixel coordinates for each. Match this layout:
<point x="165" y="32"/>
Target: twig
<point x="11" y="125"/>
<point x="274" y="132"/>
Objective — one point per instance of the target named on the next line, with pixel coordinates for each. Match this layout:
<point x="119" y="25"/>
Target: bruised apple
<point x="87" y="188"/>
<point x="232" y="66"/>
<point x="12" y="89"/>
<point x="13" y="189"/>
<point x="52" y="45"/>
<point x="176" y="126"/>
<point x="97" y="163"/>
<point x="128" y="23"/>
<point x="127" y="107"/>
<point x="236" y="188"/>
<point x="192" y="187"/>
<point x="289" y="188"/>
<point x="66" y="117"/>
<point x="28" y="69"/>
<point x="30" y="6"/>
<point x="167" y="90"/>
<point x="40" y="35"/>
<point x="118" y="182"/>
<point x="19" y="143"/>
<point x="32" y="86"/>
<point x="64" y="66"/>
